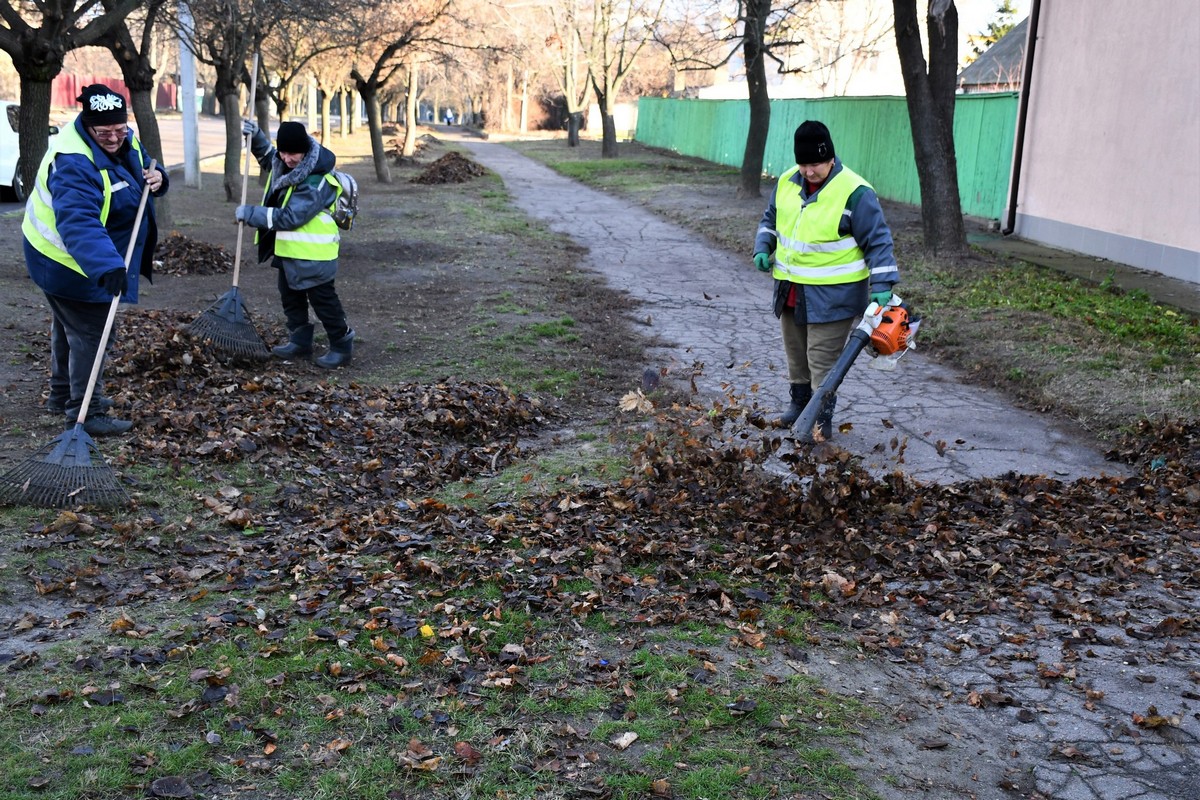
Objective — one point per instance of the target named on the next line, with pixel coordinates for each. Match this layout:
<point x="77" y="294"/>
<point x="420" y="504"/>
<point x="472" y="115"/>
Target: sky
<point x="974" y="15"/>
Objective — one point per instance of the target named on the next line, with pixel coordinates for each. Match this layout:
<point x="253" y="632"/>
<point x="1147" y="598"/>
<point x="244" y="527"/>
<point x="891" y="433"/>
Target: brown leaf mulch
<point x="356" y="464"/>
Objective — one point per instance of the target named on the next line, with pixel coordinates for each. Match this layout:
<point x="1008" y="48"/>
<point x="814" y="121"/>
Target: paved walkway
<point x="716" y="312"/>
<point x="920" y="418"/>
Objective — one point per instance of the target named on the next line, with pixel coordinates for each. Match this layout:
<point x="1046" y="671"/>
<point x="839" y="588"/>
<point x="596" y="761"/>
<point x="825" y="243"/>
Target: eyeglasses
<point x="110" y="133"/>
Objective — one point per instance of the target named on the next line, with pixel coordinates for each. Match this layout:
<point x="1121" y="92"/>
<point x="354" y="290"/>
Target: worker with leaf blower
<point x="824" y="239"/>
<point x="79" y="221"/>
<point x="296" y="226"/>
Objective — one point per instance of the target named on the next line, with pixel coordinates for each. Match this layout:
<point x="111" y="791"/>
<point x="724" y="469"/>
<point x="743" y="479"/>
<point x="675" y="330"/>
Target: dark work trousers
<point x="325" y="304"/>
<point x="74" y="339"/>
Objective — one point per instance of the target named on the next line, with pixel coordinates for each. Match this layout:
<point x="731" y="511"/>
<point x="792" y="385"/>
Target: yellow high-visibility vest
<point x="40" y="226"/>
<point x="315" y="240"/>
<point x="808" y="248"/>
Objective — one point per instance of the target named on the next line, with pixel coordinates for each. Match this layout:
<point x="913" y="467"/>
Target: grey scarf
<point x="296" y="176"/>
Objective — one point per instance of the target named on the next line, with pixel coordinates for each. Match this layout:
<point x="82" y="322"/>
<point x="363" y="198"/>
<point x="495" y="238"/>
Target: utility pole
<point x="187" y="98"/>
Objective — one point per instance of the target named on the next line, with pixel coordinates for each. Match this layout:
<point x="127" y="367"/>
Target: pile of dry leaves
<point x="180" y="255"/>
<point x="450" y="168"/>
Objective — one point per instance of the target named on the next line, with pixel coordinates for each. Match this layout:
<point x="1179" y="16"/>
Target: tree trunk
<point x="525" y="101"/>
<point x="142" y="101"/>
<point x="33" y="134"/>
<point x="608" y="126"/>
<point x="574" y="124"/>
<point x="138" y="73"/>
<point x="234" y="145"/>
<point x="410" y="112"/>
<point x="370" y="96"/>
<point x="326" y="121"/>
<point x="506" y="121"/>
<point x="750" y="180"/>
<point x="283" y="106"/>
<point x="930" y="98"/>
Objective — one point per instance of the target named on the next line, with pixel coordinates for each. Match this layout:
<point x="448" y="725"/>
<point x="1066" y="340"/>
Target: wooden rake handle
<point x="237" y="254"/>
<point x="98" y="362"/>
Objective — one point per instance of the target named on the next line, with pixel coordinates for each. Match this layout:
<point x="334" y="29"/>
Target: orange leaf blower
<point x="890" y="330"/>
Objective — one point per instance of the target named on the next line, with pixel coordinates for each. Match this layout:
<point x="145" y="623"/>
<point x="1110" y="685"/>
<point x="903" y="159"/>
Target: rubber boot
<point x="299" y="344"/>
<point x="825" y="416"/>
<point x="801" y="394"/>
<point x="339" y="353"/>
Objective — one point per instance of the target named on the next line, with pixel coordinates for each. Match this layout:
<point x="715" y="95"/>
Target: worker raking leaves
<point x="298" y="232"/>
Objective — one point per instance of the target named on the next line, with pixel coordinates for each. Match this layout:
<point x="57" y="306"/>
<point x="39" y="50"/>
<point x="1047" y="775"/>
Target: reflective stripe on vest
<point x="315" y="240"/>
<point x="40" y="226"/>
<point x="809" y="248"/>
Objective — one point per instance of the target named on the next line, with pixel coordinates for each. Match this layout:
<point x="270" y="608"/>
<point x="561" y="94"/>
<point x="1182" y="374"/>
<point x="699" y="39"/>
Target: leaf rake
<point x="63" y="474"/>
<point x="225" y="326"/>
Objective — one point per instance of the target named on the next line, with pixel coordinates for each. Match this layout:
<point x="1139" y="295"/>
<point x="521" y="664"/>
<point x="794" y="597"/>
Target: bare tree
<point x="572" y="66"/>
<point x="754" y="54"/>
<point x="760" y="30"/>
<point x="620" y="30"/>
<point x="294" y="47"/>
<point x="841" y="42"/>
<point x="36" y="34"/>
<point x="136" y="61"/>
<point x="225" y="34"/>
<point x="930" y="93"/>
<point x="386" y="33"/>
<point x="331" y="73"/>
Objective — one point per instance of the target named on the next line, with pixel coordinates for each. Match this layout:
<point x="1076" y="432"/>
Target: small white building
<point x="849" y="49"/>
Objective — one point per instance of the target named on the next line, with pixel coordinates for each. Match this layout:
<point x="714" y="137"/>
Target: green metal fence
<point x="871" y="134"/>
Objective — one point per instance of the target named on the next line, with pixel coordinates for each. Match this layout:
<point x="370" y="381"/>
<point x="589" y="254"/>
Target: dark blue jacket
<point x="77" y="191"/>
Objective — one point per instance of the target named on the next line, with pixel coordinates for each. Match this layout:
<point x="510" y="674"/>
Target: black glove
<point x="114" y="282"/>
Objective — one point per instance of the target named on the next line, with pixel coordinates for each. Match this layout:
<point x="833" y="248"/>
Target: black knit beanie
<point x="102" y="106"/>
<point x="813" y="143"/>
<point x="292" y="138"/>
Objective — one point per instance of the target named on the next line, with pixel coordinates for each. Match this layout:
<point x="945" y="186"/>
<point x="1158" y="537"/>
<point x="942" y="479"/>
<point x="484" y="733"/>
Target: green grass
<point x="570" y="465"/>
<point x="1131" y="317"/>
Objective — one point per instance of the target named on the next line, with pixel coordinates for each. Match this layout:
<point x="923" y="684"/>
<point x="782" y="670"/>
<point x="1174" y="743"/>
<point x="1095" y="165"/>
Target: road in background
<point x="211" y="137"/>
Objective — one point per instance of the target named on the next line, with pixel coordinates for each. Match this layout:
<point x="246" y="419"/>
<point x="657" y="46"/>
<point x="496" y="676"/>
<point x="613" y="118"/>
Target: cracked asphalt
<point x="1008" y="703"/>
<point x="711" y="307"/>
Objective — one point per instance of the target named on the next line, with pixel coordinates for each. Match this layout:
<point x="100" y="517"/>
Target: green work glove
<point x="763" y="262"/>
<point x="881" y="298"/>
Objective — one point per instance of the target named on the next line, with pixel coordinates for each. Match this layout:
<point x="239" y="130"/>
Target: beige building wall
<point x="1111" y="160"/>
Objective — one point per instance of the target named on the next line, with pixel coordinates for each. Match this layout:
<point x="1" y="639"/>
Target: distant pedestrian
<point x="296" y="229"/>
<point x="77" y="228"/>
<point x="825" y="241"/>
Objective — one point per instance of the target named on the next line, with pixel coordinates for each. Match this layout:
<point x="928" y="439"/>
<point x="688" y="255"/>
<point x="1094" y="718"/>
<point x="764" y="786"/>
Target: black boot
<point x="825" y="416"/>
<point x="801" y="394"/>
<point x="299" y="344"/>
<point x="339" y="353"/>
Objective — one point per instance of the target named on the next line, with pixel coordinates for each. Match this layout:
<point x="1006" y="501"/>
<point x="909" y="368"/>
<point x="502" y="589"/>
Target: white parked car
<point x="11" y="186"/>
